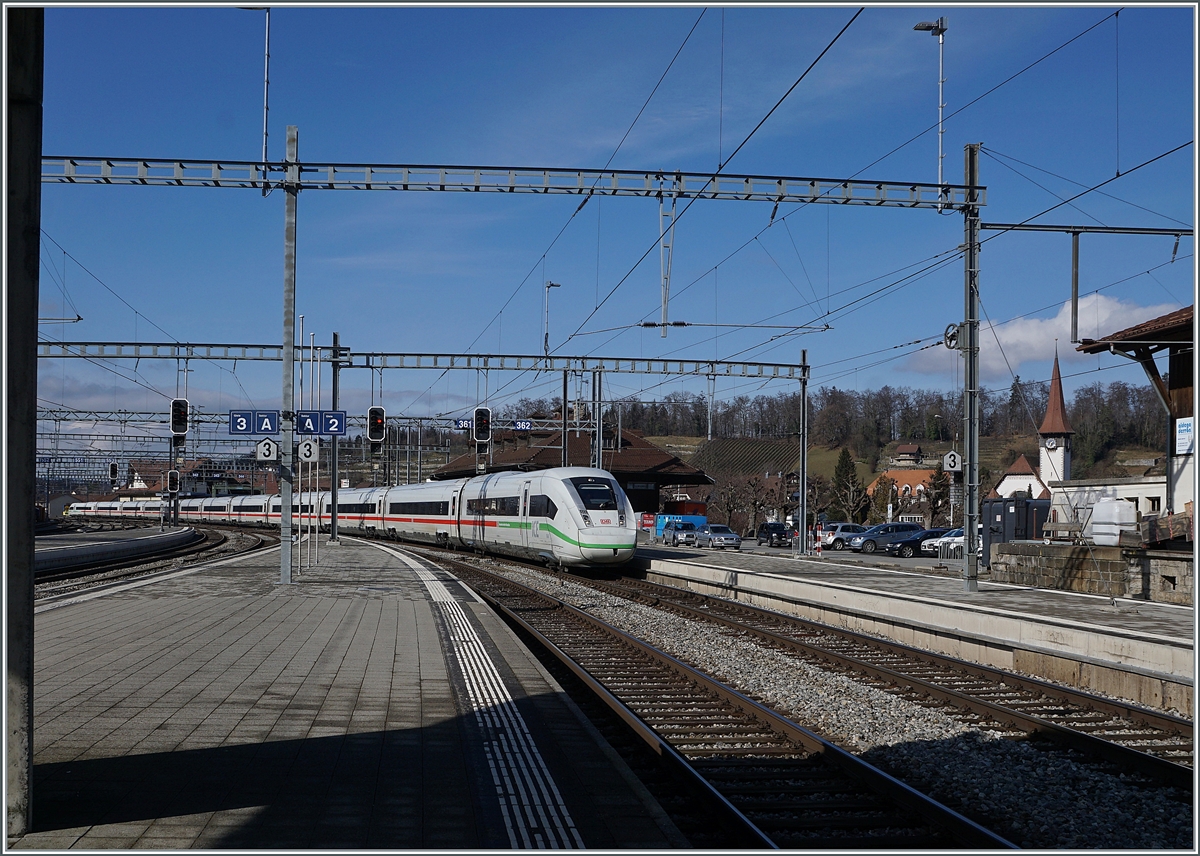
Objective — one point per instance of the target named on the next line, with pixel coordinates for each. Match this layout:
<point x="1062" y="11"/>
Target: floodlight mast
<point x="938" y="28"/>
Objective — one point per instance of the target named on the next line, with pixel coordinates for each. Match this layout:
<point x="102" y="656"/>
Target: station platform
<point x="1133" y="649"/>
<point x="68" y="549"/>
<point x="373" y="703"/>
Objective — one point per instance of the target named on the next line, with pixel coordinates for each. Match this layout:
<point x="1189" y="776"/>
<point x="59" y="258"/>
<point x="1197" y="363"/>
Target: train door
<point x="455" y="518"/>
<point x="524" y="524"/>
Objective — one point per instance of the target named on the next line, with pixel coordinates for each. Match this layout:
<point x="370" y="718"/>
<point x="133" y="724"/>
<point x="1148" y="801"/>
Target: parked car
<point x="930" y="545"/>
<point x="836" y="536"/>
<point x="955" y="538"/>
<point x="678" y="532"/>
<point x="908" y="547"/>
<point x="716" y="535"/>
<point x="774" y="535"/>
<point x="881" y="536"/>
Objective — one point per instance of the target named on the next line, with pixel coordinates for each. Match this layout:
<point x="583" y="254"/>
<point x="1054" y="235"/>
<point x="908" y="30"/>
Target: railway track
<point x="102" y="573"/>
<point x="779" y="783"/>
<point x="1141" y="740"/>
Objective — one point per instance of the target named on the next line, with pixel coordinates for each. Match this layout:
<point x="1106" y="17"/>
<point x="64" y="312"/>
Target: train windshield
<point x="596" y="494"/>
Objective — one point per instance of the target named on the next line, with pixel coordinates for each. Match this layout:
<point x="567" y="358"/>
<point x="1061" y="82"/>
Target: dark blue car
<point x="911" y="546"/>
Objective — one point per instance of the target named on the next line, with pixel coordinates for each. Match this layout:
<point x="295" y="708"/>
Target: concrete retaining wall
<point x="1148" y="670"/>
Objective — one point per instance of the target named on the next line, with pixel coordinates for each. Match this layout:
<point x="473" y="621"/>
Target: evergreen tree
<point x="848" y="493"/>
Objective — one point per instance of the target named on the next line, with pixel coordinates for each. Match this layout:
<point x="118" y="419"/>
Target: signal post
<point x="179" y="429"/>
<point x="481" y="433"/>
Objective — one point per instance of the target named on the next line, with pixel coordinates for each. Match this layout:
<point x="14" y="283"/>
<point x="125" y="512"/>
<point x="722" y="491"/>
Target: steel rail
<point x="1164" y="769"/>
<point x="966" y="831"/>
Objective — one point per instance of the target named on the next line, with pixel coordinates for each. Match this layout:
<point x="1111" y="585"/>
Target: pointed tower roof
<point x="1056" y="409"/>
<point x="1021" y="467"/>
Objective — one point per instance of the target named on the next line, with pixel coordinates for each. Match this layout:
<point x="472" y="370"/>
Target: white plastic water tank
<point x="1109" y="518"/>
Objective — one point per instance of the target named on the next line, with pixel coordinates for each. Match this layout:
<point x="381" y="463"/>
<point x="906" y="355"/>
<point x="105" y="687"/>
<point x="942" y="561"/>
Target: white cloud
<point x="1024" y="340"/>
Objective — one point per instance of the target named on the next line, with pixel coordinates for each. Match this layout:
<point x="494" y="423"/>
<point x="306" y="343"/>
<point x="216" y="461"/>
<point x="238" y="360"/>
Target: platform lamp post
<point x="938" y="28"/>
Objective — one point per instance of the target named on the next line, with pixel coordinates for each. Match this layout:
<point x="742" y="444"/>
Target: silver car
<point x="836" y="536"/>
<point x="678" y="532"/>
<point x="716" y="535"/>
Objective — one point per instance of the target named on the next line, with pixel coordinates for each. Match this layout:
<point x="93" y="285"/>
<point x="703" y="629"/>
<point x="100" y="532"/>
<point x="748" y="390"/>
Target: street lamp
<point x="938" y="28"/>
<point x="546" y="339"/>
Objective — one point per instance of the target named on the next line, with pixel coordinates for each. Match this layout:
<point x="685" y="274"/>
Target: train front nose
<point x="607" y="545"/>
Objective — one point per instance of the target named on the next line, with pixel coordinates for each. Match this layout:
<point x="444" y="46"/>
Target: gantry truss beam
<point x="502" y="179"/>
<point x="444" y="362"/>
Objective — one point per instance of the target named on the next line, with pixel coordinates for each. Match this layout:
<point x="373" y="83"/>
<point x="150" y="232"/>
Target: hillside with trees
<point x="851" y="431"/>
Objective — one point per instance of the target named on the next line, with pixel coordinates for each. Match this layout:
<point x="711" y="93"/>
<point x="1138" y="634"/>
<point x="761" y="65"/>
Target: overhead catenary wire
<point x="966" y="106"/>
<point x="995" y="155"/>
<point x="1091" y="189"/>
<point x="1010" y="78"/>
<point x="138" y="314"/>
<point x="700" y="193"/>
<point x="911" y="140"/>
<point x="542" y="259"/>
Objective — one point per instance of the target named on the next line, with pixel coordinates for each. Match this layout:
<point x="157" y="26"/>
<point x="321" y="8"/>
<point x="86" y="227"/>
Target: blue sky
<point x="427" y="272"/>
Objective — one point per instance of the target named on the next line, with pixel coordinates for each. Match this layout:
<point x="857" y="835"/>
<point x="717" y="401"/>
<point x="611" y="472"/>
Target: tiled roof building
<point x="640" y="467"/>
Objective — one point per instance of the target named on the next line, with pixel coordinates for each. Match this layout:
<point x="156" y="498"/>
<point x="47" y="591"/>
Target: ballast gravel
<point x="1035" y="795"/>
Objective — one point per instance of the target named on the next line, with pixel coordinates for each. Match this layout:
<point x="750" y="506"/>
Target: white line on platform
<point x="534" y="811"/>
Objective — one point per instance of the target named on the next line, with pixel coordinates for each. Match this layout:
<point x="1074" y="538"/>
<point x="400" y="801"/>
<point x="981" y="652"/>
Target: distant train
<point x="566" y="517"/>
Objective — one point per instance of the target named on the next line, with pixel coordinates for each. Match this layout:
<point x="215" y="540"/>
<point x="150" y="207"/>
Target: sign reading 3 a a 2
<point x="307" y="422"/>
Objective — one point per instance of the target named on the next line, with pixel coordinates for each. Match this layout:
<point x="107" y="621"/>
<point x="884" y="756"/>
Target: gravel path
<point x="1037" y="797"/>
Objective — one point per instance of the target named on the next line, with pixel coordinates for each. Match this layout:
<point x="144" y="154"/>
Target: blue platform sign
<point x="333" y="422"/>
<point x="241" y="421"/>
<point x="308" y="422"/>
<point x="266" y="421"/>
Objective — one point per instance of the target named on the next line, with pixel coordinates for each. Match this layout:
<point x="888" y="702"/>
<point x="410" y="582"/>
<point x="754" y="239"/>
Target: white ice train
<point x="568" y="516"/>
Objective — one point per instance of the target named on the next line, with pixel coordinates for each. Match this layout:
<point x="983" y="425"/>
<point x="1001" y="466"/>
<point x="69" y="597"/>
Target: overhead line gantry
<point x="292" y="176"/>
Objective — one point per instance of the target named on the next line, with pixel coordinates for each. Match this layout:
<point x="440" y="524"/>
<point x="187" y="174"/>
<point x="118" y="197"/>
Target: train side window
<point x="495" y="506"/>
<point x="542" y="506"/>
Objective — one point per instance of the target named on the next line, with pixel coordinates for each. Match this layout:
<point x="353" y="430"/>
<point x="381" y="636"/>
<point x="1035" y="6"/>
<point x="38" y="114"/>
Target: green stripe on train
<point x="518" y="524"/>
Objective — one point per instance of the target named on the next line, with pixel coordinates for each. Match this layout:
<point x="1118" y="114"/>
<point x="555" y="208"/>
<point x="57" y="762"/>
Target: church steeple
<point x="1054" y="462"/>
<point x="1056" y="422"/>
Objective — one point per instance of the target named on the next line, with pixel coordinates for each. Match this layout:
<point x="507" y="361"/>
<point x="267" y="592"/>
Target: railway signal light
<point x="482" y="425"/>
<point x="376" y="424"/>
<point x="172" y="481"/>
<point x="113" y="473"/>
<point x="179" y="416"/>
